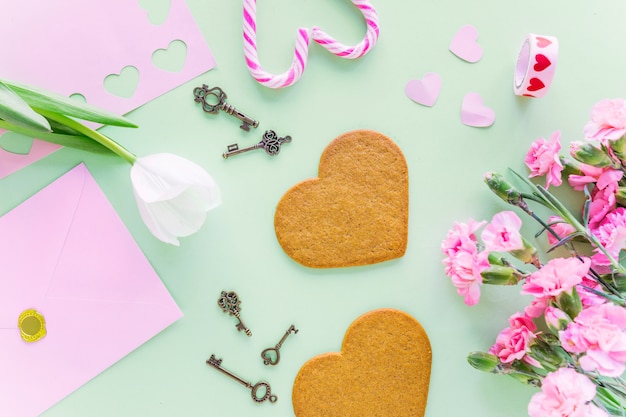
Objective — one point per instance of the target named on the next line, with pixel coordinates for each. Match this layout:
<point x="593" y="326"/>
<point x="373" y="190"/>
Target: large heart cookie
<point x="356" y="212"/>
<point x="383" y="370"/>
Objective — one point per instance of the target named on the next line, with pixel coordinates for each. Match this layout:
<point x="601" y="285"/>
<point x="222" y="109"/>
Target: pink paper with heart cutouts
<point x="71" y="46"/>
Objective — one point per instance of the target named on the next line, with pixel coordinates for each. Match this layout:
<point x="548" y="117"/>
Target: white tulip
<point x="173" y="195"/>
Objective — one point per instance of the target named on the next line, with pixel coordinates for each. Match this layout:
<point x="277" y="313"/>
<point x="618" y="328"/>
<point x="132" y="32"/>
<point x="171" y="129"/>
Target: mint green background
<point x="237" y="248"/>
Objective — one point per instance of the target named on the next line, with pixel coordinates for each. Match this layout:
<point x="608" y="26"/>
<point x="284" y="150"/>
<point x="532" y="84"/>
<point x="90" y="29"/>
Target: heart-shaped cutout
<point x="16" y="143"/>
<point x="171" y="58"/>
<point x="465" y="44"/>
<point x="383" y="370"/>
<point x="474" y="113"/>
<point x="157" y="10"/>
<point x="123" y="84"/>
<point x="355" y="212"/>
<point x="424" y="91"/>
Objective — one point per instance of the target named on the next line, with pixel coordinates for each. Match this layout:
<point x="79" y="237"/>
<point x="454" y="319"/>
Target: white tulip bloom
<point x="173" y="195"/>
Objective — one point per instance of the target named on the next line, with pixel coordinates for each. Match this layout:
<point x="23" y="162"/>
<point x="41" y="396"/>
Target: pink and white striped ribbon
<point x="301" y="51"/>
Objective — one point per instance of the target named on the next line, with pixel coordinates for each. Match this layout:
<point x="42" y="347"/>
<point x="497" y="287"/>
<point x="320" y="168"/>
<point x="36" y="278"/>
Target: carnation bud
<point x="503" y="188"/>
<point x="528" y="254"/>
<point x="619" y="148"/>
<point x="570" y="303"/>
<point x="496" y="259"/>
<point x="548" y="358"/>
<point x="485" y="362"/>
<point x="618" y="280"/>
<point x="620" y="195"/>
<point x="588" y="154"/>
<point x="556" y="319"/>
<point x="500" y="275"/>
<point x="569" y="167"/>
<point x="533" y="381"/>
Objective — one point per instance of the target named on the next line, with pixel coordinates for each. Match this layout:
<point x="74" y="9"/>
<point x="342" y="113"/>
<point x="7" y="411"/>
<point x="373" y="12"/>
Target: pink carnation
<point x="602" y="202"/>
<point x="560" y="227"/>
<point x="589" y="298"/>
<point x="599" y="333"/>
<point x="537" y="307"/>
<point x="608" y="121"/>
<point x="555" y="318"/>
<point x="464" y="263"/>
<point x="459" y="235"/>
<point x="514" y="341"/>
<point x="565" y="393"/>
<point x="611" y="232"/>
<point x="601" y="177"/>
<point x="557" y="276"/>
<point x="543" y="159"/>
<point x="503" y="232"/>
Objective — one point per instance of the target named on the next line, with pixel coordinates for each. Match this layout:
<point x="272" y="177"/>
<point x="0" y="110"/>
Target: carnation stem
<point x="90" y="133"/>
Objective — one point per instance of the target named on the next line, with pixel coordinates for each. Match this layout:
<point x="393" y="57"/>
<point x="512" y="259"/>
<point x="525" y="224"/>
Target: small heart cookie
<point x="355" y="213"/>
<point x="383" y="370"/>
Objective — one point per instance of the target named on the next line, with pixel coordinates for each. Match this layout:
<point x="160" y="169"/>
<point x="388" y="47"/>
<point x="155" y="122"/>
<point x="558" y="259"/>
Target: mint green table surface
<point x="237" y="248"/>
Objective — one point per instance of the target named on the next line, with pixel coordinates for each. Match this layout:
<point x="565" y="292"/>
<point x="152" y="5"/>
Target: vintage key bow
<point x="271" y="356"/>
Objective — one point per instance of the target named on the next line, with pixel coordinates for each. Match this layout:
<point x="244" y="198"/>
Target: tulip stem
<point x="91" y="134"/>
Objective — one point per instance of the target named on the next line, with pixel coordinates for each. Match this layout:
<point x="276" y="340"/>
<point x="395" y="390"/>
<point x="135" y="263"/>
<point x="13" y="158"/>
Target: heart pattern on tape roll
<point x="382" y="370"/>
<point x="536" y="65"/>
<point x="355" y="212"/>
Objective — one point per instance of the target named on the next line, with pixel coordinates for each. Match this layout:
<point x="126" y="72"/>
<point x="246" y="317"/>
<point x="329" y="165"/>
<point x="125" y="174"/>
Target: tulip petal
<point x="164" y="176"/>
<point x="173" y="195"/>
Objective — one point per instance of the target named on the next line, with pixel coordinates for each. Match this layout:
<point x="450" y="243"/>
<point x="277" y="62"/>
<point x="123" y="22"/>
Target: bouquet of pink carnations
<point x="570" y="340"/>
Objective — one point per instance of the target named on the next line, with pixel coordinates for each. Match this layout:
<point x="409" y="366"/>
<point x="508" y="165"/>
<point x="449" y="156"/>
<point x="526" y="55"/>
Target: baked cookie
<point x="383" y="370"/>
<point x="356" y="212"/>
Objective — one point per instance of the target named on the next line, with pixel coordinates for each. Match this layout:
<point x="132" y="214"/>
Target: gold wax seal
<point x="32" y="325"/>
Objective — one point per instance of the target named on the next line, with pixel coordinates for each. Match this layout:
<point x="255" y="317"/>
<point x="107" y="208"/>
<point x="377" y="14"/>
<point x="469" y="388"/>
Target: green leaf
<point x="16" y="111"/>
<point x="74" y="141"/>
<point x="46" y="100"/>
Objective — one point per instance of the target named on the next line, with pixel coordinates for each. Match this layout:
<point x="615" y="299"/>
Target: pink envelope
<point x="66" y="253"/>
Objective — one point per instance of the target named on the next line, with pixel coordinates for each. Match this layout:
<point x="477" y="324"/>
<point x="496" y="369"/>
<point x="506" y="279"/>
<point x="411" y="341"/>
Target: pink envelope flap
<point x="67" y="254"/>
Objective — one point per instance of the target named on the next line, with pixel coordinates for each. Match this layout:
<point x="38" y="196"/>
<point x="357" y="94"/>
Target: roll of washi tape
<point x="536" y="64"/>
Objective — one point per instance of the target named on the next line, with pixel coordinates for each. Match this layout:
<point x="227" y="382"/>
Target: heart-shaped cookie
<point x="356" y="212"/>
<point x="383" y="370"/>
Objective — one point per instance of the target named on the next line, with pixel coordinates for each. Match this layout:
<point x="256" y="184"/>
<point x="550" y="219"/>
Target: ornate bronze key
<point x="229" y="302"/>
<point x="203" y="95"/>
<point x="264" y="387"/>
<point x="271" y="356"/>
<point x="270" y="143"/>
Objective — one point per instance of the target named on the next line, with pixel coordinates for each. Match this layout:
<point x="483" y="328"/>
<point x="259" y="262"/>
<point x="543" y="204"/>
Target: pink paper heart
<point x="474" y="113"/>
<point x="424" y="91"/>
<point x="465" y="45"/>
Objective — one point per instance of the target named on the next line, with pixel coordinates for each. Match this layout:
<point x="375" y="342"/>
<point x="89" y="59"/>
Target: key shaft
<point x="217" y="365"/>
<point x="247" y="121"/>
<point x="287" y="333"/>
